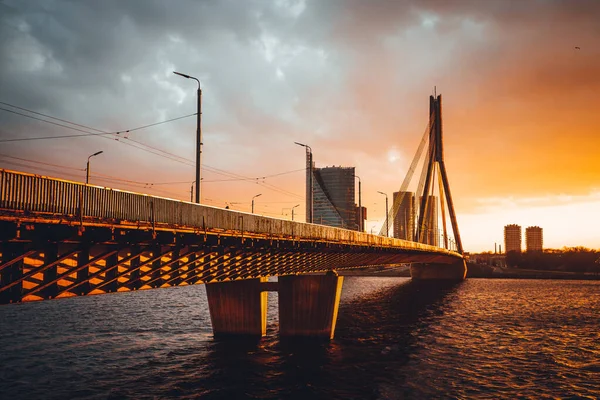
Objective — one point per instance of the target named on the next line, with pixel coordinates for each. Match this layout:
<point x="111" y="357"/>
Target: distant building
<point x="512" y="238"/>
<point x="430" y="234"/>
<point x="404" y="217"/>
<point x="534" y="239"/>
<point x="333" y="197"/>
<point x="360" y="214"/>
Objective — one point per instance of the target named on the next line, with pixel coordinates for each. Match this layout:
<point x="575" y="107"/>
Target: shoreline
<point x="478" y="271"/>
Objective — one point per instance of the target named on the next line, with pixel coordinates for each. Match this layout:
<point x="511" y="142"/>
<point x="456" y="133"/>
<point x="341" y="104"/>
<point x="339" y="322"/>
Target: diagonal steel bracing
<point x="70" y="272"/>
<point x="41" y="269"/>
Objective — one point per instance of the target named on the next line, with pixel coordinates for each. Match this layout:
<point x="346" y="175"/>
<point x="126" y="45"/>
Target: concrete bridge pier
<point x="436" y="271"/>
<point x="238" y="307"/>
<point x="308" y="305"/>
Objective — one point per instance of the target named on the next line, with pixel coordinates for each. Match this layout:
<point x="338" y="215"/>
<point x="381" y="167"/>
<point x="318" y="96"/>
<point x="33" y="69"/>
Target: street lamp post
<point x="192" y="192"/>
<point x="87" y="168"/>
<point x="360" y="211"/>
<point x="309" y="182"/>
<point x="387" y="225"/>
<point x="297" y="205"/>
<point x="260" y="194"/>
<point x="198" y="136"/>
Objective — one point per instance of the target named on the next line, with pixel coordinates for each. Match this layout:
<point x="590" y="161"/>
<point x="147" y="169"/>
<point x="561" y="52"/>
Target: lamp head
<point x="180" y="74"/>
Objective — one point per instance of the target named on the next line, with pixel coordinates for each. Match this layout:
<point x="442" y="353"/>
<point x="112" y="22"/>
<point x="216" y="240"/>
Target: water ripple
<point x="395" y="339"/>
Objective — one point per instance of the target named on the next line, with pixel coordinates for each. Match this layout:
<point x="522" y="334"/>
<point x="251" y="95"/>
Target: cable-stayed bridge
<point x="63" y="239"/>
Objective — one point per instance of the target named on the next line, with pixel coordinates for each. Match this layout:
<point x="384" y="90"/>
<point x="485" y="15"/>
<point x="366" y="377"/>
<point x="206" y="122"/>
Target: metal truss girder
<point x="251" y="264"/>
<point x="101" y="271"/>
<point x="140" y="277"/>
<point x="121" y="274"/>
<point x="328" y="263"/>
<point x="306" y="261"/>
<point x="224" y="273"/>
<point x="277" y="266"/>
<point x="203" y="253"/>
<point x="219" y="265"/>
<point x="183" y="258"/>
<point x="255" y="271"/>
<point x="214" y="257"/>
<point x="17" y="259"/>
<point x="274" y="264"/>
<point x="70" y="272"/>
<point x="241" y="264"/>
<point x="42" y="268"/>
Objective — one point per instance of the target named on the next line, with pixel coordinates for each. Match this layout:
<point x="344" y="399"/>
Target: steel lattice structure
<point x="61" y="239"/>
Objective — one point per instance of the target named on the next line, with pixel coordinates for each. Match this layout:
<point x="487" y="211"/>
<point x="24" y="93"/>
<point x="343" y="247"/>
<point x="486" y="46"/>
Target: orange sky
<point x="350" y="78"/>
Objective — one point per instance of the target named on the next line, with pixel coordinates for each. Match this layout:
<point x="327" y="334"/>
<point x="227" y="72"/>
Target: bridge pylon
<point x="427" y="213"/>
<point x="436" y="162"/>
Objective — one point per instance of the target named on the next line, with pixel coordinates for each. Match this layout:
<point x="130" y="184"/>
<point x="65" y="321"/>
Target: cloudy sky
<point x="351" y="78"/>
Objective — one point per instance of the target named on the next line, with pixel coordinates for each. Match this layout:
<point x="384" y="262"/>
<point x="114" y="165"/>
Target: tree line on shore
<point x="573" y="259"/>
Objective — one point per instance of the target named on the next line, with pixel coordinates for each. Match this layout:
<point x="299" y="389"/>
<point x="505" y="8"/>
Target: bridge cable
<point x="407" y="179"/>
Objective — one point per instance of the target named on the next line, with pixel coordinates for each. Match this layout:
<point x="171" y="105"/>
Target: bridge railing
<point x="34" y="193"/>
<point x="437" y="237"/>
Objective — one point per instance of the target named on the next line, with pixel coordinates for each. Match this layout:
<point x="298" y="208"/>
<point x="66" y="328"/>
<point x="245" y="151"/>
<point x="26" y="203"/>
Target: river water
<point x="395" y="339"/>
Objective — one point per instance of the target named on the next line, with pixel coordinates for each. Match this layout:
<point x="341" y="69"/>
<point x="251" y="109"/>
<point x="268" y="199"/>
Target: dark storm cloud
<point x="61" y="48"/>
<point x="108" y="64"/>
<point x="84" y="47"/>
<point x="349" y="75"/>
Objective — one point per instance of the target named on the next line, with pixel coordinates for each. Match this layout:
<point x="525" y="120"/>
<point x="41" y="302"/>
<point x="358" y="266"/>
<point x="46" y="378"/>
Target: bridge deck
<point x="60" y="238"/>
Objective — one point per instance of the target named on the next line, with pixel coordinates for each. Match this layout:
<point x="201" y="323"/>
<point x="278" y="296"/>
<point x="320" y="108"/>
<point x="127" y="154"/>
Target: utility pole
<point x="198" y="136"/>
<point x="87" y="167"/>
<point x="260" y="194"/>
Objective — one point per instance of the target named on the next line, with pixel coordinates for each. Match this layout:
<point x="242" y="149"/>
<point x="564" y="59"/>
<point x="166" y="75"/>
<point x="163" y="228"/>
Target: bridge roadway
<point x="62" y="239"/>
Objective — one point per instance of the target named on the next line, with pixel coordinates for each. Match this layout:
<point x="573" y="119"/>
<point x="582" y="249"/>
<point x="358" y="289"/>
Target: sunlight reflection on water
<point x="394" y="339"/>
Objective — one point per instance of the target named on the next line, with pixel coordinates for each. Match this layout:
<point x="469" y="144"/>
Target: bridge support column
<point x="156" y="265"/>
<point x="134" y="276"/>
<point x="11" y="272"/>
<point x="308" y="305"/>
<point x="238" y="307"/>
<point x="435" y="271"/>
<point x="111" y="275"/>
<point x="83" y="275"/>
<point x="50" y="256"/>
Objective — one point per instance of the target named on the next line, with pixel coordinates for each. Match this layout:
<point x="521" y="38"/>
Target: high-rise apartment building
<point x="429" y="229"/>
<point x="404" y="217"/>
<point x="534" y="239"/>
<point x="512" y="238"/>
<point x="333" y="197"/>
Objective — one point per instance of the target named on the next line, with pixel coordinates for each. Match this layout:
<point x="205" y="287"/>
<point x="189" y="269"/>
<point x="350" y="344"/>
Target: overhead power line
<point x="137" y="144"/>
<point x="47" y="116"/>
<point x="42" y="163"/>
<point x="156" y="123"/>
<point x="43" y="168"/>
<point x="252" y="179"/>
<point x="84" y="132"/>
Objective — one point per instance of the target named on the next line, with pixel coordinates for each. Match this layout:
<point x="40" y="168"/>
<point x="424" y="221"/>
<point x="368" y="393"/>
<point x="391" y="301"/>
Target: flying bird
<point x="577" y="48"/>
